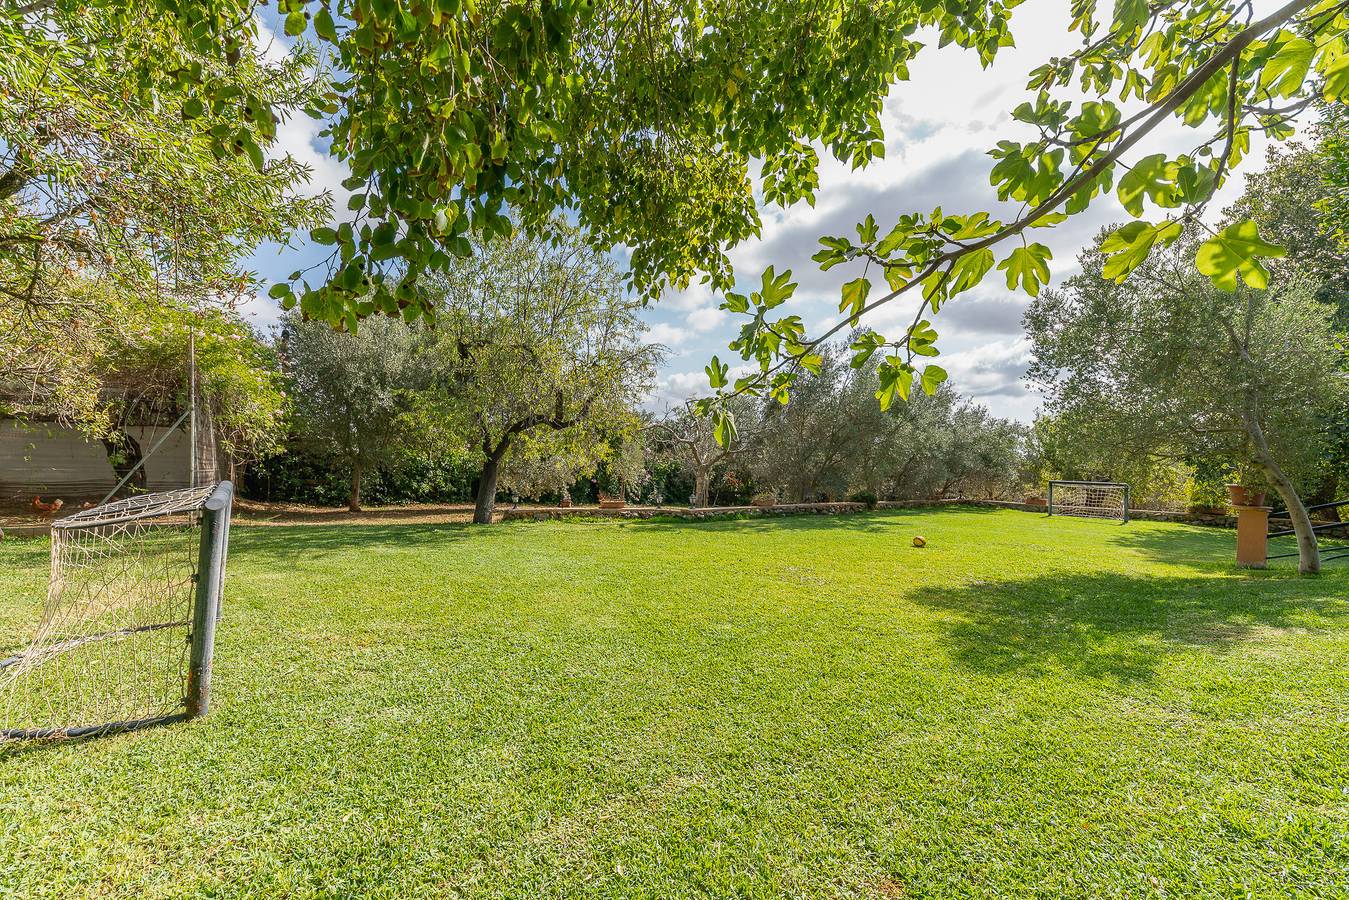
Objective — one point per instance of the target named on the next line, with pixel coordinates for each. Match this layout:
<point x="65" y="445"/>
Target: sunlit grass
<point x="804" y="706"/>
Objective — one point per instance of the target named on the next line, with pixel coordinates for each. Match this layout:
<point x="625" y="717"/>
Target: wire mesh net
<point x="112" y="645"/>
<point x="1096" y="499"/>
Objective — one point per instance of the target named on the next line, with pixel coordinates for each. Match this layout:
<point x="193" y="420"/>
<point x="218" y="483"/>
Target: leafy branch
<point x="946" y="255"/>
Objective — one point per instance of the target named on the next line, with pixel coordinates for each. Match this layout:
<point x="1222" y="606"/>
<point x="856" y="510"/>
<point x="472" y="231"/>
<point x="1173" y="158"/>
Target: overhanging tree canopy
<point x="642" y="120"/>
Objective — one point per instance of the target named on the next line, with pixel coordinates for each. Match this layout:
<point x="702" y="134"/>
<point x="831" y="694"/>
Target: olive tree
<point x="690" y="436"/>
<point x="353" y="393"/>
<point x="538" y="336"/>
<point x="1165" y="364"/>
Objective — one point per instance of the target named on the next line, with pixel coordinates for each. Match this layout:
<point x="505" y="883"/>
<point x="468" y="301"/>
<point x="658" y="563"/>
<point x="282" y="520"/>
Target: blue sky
<point x="939" y="126"/>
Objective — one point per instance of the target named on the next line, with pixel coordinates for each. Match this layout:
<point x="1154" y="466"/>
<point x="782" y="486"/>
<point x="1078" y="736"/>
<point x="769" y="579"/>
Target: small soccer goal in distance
<point x="128" y="628"/>
<point x="1094" y="499"/>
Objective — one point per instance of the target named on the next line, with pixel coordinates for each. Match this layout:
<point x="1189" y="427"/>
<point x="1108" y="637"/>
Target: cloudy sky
<point x="939" y="126"/>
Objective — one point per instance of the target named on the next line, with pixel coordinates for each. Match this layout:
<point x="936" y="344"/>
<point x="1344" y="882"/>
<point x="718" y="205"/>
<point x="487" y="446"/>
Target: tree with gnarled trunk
<point x="537" y="336"/>
<point x="692" y="435"/>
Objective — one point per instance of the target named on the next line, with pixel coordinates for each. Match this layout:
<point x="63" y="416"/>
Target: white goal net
<point x="1096" y="499"/>
<point x="127" y="630"/>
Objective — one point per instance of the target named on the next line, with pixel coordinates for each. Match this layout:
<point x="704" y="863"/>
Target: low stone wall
<point x="1154" y="515"/>
<point x="16" y="531"/>
<point x="824" y="509"/>
<point x="542" y="514"/>
<point x="679" y="512"/>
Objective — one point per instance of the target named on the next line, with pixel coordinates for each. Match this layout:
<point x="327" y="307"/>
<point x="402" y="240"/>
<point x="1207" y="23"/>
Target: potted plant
<point x="1250" y="487"/>
<point x="610" y="501"/>
<point x="565" y="502"/>
<point x="1035" y="500"/>
<point x="764" y="499"/>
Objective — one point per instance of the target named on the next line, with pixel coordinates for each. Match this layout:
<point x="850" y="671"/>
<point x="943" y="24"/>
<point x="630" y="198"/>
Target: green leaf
<point x="896" y="379"/>
<point x="776" y="289"/>
<point x="723" y="427"/>
<point x="1285" y="71"/>
<point x="716" y="373"/>
<point x="254" y="152"/>
<point x="324" y="26"/>
<point x="969" y="270"/>
<point x="1152" y="176"/>
<point x="279" y="290"/>
<point x="295" y="24"/>
<point x="1128" y="246"/>
<point x="1030" y="266"/>
<point x="895" y="239"/>
<point x="1335" y="86"/>
<point x="736" y="303"/>
<point x="1049" y="220"/>
<point x="324" y="235"/>
<point x="1235" y="252"/>
<point x="854" y="297"/>
<point x="866" y="230"/>
<point x="1130" y="14"/>
<point x="932" y="377"/>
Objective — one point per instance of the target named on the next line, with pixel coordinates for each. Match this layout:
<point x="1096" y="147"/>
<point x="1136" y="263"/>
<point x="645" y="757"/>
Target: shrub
<point x="866" y="497"/>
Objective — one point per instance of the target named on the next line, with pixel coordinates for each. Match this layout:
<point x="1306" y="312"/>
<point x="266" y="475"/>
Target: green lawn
<point x="800" y="707"/>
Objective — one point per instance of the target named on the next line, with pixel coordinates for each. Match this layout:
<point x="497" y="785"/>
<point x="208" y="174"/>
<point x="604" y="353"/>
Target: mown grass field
<point x="788" y="707"/>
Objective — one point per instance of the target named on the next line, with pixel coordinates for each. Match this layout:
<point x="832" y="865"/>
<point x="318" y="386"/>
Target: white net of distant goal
<point x="1096" y="499"/>
<point x="120" y="639"/>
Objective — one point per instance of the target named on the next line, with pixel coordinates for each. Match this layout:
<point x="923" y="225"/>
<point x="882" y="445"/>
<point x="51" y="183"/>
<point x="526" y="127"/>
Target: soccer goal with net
<point x="1097" y="499"/>
<point x="128" y="629"/>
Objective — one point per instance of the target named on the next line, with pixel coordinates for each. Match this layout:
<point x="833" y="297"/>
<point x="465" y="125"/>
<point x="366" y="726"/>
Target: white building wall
<point x="50" y="461"/>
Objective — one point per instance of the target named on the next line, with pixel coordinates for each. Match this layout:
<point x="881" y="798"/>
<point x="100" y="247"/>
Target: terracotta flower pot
<point x="611" y="504"/>
<point x="1240" y="495"/>
<point x="1036" y="501"/>
<point x="565" y="502"/>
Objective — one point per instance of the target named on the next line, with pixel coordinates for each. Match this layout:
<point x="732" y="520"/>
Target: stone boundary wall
<point x="835" y="508"/>
<point x="679" y="512"/>
<point x="544" y="514"/>
<point x="1153" y="515"/>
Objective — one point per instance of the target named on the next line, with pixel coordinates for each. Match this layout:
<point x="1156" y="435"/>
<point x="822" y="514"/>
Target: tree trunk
<point x="701" y="482"/>
<point x="354" y="500"/>
<point x="1308" y="553"/>
<point x="124" y="454"/>
<point x="487" y="491"/>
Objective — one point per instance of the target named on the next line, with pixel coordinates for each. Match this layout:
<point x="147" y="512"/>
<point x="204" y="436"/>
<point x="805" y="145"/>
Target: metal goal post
<point x="128" y="630"/>
<point x="1094" y="499"/>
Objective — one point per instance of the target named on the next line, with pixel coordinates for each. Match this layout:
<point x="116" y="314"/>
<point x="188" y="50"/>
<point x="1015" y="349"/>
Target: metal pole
<point x="1051" y="499"/>
<point x="215" y="517"/>
<point x="159" y="443"/>
<point x="192" y="409"/>
<point x="1126" y="504"/>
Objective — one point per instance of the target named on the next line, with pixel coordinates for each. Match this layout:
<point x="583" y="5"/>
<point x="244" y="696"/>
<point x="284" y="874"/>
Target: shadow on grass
<point x="1211" y="547"/>
<point x="1121" y="627"/>
<point x="283" y="541"/>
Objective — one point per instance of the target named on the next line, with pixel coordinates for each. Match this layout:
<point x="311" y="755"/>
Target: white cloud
<point x="298" y="136"/>
<point x="669" y="335"/>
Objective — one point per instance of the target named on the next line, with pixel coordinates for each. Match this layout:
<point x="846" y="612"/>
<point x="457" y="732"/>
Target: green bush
<point x="866" y="497"/>
<point x="300" y="476"/>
